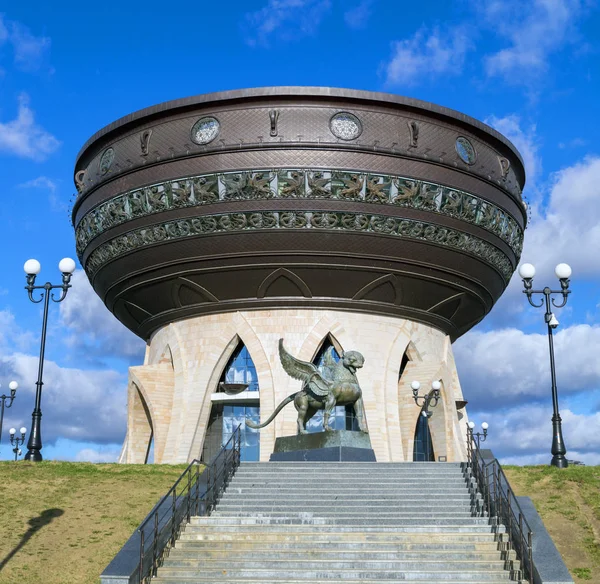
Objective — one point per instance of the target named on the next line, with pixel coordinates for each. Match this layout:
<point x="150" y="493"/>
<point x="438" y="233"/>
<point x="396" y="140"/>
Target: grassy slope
<point x="80" y="515"/>
<point x="73" y="517"/>
<point x="569" y="502"/>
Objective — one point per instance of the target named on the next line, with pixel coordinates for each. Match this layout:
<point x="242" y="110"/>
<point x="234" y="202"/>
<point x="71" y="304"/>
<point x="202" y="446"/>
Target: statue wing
<point x="304" y="371"/>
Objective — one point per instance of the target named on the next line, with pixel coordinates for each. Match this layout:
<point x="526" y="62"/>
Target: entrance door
<point x="423" y="445"/>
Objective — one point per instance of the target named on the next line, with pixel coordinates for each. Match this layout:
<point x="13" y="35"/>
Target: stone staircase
<point x="341" y="522"/>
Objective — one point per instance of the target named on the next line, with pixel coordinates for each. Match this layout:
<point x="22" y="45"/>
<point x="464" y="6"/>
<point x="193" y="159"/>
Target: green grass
<point x="568" y="501"/>
<point x="66" y="521"/>
<point x="62" y="523"/>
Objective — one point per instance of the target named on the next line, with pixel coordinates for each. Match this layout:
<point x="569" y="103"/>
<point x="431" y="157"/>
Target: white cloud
<point x="427" y="55"/>
<point x="523" y="435"/>
<point x="78" y="404"/>
<point x="49" y="185"/>
<point x="285" y="19"/>
<point x="568" y="229"/>
<point x="94" y="331"/>
<point x="506" y="366"/>
<point x="358" y="16"/>
<point x="535" y="30"/>
<point x="526" y="141"/>
<point x="23" y="137"/>
<point x="109" y="453"/>
<point x="29" y="50"/>
<point x="12" y="337"/>
<point x="41" y="182"/>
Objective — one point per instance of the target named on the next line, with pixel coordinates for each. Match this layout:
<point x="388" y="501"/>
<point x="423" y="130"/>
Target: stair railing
<point x="501" y="504"/>
<point x="194" y="493"/>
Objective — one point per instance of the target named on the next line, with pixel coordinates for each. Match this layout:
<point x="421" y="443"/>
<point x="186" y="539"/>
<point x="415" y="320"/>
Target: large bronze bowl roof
<point x="299" y="197"/>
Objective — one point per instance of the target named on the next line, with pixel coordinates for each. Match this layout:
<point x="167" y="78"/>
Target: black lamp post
<point x="428" y="400"/>
<point x="16" y="441"/>
<point x="478" y="436"/>
<point x="563" y="273"/>
<point x="32" y="269"/>
<point x="13" y="386"/>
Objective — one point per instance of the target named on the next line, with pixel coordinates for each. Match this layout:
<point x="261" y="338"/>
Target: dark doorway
<point x="423" y="445"/>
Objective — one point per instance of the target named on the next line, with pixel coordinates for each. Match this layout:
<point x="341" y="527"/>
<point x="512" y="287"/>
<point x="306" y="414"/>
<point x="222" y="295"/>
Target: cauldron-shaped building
<point x="214" y="225"/>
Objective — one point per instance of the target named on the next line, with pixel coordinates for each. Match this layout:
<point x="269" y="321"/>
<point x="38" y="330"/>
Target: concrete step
<point x="339" y="514"/>
<point x="347" y="508"/>
<point x="328" y="490"/>
<point x="386" y="505"/>
<point x="236" y="551"/>
<point x="291" y="580"/>
<point x="333" y="535"/>
<point x="273" y="575"/>
<point x="286" y="565"/>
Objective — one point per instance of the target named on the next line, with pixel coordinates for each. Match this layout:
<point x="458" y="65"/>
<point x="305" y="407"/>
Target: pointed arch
<point x="448" y="307"/>
<point x="384" y="289"/>
<point x="140" y="425"/>
<point x="236" y="379"/>
<point x="186" y="292"/>
<point x="290" y="285"/>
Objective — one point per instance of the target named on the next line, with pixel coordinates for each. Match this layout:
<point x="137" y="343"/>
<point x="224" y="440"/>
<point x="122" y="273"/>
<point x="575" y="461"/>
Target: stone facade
<point x="169" y="396"/>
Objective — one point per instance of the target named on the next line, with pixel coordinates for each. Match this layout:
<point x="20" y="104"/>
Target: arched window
<point x="343" y="417"/>
<point x="235" y="401"/>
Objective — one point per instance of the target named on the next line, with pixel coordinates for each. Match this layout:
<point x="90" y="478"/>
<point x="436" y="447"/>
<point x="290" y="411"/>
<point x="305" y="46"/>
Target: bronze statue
<point x="335" y="385"/>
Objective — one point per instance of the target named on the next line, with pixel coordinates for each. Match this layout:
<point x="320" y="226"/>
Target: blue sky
<point x="530" y="69"/>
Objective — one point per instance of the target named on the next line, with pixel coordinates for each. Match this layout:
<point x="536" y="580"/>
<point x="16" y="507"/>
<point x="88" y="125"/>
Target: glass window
<point x="226" y="417"/>
<point x="240" y="370"/>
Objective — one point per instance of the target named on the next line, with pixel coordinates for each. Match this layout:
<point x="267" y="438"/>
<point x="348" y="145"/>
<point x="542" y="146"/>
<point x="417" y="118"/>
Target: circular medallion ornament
<point x="466" y="150"/>
<point x="345" y="126"/>
<point x="205" y="130"/>
<point x="106" y="160"/>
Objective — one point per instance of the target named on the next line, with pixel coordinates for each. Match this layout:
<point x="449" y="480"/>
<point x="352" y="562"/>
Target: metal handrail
<point x="193" y="493"/>
<point x="500" y="502"/>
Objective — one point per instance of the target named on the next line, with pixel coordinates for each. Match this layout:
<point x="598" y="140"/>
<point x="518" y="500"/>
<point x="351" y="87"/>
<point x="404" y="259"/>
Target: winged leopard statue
<point x="335" y="385"/>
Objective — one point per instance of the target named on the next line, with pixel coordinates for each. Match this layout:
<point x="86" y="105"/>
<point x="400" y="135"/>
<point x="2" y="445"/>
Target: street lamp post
<point x="478" y="436"/>
<point x="13" y="386"/>
<point x="563" y="273"/>
<point x="16" y="441"/>
<point x="32" y="269"/>
<point x="428" y="400"/>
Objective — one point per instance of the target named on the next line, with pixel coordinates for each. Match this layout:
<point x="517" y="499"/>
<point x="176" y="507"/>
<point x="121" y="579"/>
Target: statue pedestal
<point x="334" y="446"/>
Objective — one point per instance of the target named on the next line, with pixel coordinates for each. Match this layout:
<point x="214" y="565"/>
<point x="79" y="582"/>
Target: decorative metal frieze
<point x="297" y="183"/>
<point x="300" y="219"/>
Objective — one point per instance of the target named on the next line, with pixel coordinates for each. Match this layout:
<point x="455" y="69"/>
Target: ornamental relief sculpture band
<point x="357" y="222"/>
<point x="299" y="184"/>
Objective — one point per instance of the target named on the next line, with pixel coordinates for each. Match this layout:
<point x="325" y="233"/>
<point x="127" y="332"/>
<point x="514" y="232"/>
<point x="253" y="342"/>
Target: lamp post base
<point x="33" y="456"/>
<point x="559" y="461"/>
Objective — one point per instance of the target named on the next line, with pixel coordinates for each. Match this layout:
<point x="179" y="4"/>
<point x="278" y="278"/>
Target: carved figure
<point x="259" y="185"/>
<point x="413" y="130"/>
<point x="293" y="185"/>
<point x="273" y="117"/>
<point x="234" y="185"/>
<point x="335" y="385"/>
<point x="155" y="199"/>
<point x="204" y="190"/>
<point x="182" y="193"/>
<point x="452" y="203"/>
<point x="376" y="191"/>
<point x="408" y="190"/>
<point x="145" y="141"/>
<point x="317" y="183"/>
<point x="352" y="187"/>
